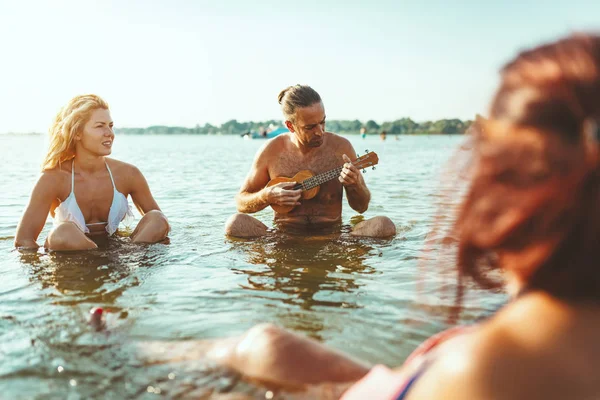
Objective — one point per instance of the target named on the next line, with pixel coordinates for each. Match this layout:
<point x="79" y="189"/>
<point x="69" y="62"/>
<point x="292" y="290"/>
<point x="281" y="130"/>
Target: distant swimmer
<point x="307" y="146"/>
<point x="82" y="189"/>
<point x="383" y="135"/>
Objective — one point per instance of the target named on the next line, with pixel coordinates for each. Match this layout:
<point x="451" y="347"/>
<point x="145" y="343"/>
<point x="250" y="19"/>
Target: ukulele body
<point x="298" y="178"/>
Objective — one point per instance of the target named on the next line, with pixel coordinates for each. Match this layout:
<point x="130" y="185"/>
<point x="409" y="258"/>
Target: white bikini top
<point x="69" y="210"/>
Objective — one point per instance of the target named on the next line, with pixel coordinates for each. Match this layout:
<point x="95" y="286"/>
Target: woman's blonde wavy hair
<point x="69" y="122"/>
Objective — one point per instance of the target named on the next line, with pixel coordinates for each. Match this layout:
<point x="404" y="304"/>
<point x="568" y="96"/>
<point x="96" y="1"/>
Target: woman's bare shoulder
<point x="128" y="177"/>
<point x="512" y="356"/>
<point x="114" y="163"/>
<point x="121" y="167"/>
<point x="55" y="176"/>
<point x="469" y="366"/>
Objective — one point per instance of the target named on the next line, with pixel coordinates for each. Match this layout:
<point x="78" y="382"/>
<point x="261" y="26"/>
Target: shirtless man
<point x="306" y="147"/>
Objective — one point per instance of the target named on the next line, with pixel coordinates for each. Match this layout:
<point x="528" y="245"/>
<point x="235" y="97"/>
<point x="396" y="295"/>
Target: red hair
<point x="533" y="202"/>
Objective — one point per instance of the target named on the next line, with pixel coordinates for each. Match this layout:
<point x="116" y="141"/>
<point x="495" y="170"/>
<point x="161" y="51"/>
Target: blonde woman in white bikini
<point x="83" y="190"/>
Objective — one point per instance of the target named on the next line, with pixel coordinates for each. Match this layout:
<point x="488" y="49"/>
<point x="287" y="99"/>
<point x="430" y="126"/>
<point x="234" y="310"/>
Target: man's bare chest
<point x="288" y="165"/>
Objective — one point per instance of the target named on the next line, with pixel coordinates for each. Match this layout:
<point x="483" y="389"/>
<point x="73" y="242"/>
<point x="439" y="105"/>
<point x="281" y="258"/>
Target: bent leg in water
<point x="68" y="237"/>
<point x="152" y="228"/>
<point x="244" y="226"/>
<point x="377" y="227"/>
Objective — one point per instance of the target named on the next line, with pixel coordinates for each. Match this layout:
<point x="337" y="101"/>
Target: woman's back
<point x="536" y="347"/>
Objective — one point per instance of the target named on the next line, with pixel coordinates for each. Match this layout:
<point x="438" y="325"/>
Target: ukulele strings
<point x="317" y="180"/>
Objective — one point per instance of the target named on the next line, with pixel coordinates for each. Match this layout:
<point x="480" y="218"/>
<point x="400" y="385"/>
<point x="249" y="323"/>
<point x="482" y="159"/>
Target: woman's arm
<point x="140" y="191"/>
<point x="35" y="215"/>
<point x="268" y="354"/>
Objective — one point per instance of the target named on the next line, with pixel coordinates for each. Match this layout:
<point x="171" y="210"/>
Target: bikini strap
<point x="111" y="177"/>
<point x="73" y="176"/>
<point x="416" y="375"/>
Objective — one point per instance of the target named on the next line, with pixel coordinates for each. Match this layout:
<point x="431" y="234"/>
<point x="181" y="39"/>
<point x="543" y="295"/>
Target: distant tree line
<point x="404" y="126"/>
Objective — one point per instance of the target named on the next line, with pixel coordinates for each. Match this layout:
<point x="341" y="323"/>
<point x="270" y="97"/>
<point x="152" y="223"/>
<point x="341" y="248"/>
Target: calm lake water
<point x="359" y="296"/>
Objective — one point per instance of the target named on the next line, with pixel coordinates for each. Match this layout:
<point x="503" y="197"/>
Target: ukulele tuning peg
<point x="366" y="151"/>
<point x="357" y="155"/>
<point x="364" y="171"/>
<point x="373" y="168"/>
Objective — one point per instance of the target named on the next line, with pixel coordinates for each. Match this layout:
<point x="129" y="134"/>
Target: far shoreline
<point x="399" y="127"/>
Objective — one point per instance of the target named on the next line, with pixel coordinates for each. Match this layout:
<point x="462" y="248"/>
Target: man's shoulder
<point x="338" y="142"/>
<point x="335" y="136"/>
<point x="275" y="144"/>
<point x="337" y="139"/>
<point x="271" y="150"/>
<point x="280" y="140"/>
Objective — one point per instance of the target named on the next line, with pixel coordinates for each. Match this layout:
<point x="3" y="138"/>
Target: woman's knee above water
<point x="67" y="236"/>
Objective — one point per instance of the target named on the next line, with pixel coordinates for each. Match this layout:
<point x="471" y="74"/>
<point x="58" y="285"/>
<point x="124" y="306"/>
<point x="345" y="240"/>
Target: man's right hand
<point x="282" y="195"/>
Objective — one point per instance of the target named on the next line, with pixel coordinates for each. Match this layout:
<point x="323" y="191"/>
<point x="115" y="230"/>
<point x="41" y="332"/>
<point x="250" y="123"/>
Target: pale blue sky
<point x="183" y="62"/>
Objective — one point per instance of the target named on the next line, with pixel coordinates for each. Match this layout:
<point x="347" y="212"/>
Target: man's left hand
<point x="350" y="175"/>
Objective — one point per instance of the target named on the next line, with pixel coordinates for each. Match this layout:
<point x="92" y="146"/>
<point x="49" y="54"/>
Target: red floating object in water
<point x="97" y="318"/>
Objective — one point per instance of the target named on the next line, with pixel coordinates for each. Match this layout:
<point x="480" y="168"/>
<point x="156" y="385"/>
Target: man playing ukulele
<point x="306" y="147"/>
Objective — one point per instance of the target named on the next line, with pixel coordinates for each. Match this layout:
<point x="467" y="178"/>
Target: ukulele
<point x="310" y="183"/>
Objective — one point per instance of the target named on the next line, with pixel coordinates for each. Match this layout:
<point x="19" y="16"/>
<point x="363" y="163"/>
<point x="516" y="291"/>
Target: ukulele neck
<point x="317" y="180"/>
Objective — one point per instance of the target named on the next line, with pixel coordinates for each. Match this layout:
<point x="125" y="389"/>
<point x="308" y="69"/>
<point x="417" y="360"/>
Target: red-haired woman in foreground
<point x="84" y="190"/>
<point x="531" y="216"/>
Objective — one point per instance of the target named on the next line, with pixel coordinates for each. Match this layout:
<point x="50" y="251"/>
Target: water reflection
<point x="95" y="276"/>
<point x="309" y="271"/>
<point x="62" y="347"/>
